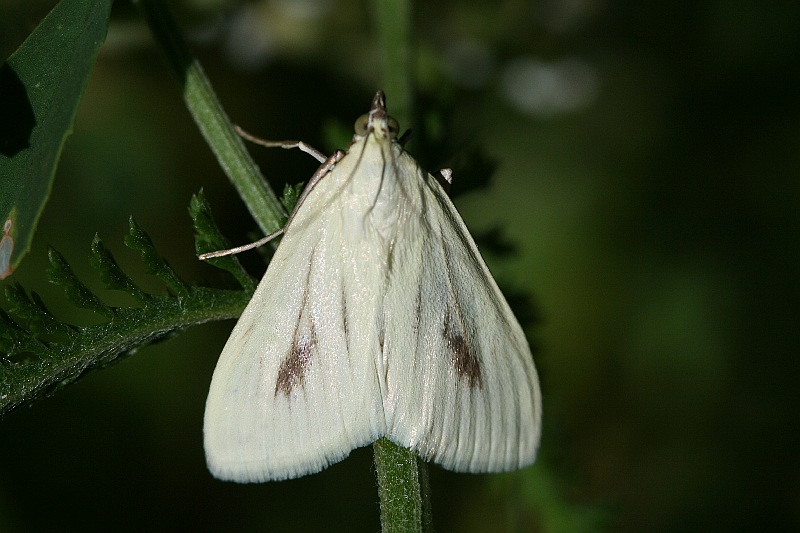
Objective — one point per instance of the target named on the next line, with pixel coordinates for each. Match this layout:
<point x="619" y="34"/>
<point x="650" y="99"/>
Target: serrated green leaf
<point x="67" y="352"/>
<point x="15" y="340"/>
<point x="290" y="195"/>
<point x="10" y="334"/>
<point x="102" y="344"/>
<point x="208" y="238"/>
<point x="32" y="310"/>
<point x="154" y="264"/>
<point x="41" y="85"/>
<point x="78" y="294"/>
<point x="111" y="275"/>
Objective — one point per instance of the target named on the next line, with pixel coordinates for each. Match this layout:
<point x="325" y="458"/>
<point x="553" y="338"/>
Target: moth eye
<point x="394" y="127"/>
<point x="361" y="125"/>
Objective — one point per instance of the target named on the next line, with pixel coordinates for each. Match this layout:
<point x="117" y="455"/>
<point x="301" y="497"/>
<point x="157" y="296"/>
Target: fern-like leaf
<point x="111" y="275"/>
<point x="32" y="310"/>
<point x="208" y="238"/>
<point x="291" y="193"/>
<point x="40" y="353"/>
<point x="77" y="293"/>
<point x="154" y="263"/>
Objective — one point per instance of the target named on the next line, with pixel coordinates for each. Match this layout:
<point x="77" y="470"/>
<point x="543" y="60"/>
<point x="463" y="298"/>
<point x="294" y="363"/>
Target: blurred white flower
<point x="538" y="87"/>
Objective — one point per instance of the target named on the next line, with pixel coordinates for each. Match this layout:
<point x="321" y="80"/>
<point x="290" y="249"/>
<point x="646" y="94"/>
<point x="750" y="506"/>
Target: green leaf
<point x="40" y="354"/>
<point x="56" y="363"/>
<point x="111" y="275"/>
<point x="33" y="311"/>
<point x="77" y="293"/>
<point x="154" y="263"/>
<point x="15" y="340"/>
<point x="208" y="238"/>
<point x="291" y="194"/>
<point x="40" y="87"/>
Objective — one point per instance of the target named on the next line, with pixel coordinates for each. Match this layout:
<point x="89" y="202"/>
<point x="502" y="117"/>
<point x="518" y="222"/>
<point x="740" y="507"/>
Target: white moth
<point x="377" y="317"/>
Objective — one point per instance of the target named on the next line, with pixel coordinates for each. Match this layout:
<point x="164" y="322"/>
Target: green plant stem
<point x="402" y="477"/>
<point x="403" y="488"/>
<point x="212" y="120"/>
<point x="393" y="22"/>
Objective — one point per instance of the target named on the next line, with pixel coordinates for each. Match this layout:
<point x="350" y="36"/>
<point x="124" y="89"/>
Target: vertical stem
<point x="393" y="23"/>
<point x="212" y="120"/>
<point x="402" y="477"/>
<point x="403" y="489"/>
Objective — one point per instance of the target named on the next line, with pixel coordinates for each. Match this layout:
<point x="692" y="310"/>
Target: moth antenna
<point x="321" y="172"/>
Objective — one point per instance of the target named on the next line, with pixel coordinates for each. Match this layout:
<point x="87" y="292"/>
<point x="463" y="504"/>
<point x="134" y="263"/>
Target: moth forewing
<point x="292" y="392"/>
<point x="376" y="317"/>
<point x="463" y="385"/>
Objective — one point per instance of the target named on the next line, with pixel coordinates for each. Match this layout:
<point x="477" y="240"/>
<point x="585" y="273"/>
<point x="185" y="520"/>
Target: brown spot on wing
<point x="294" y="367"/>
<point x="345" y="328"/>
<point x="462" y="355"/>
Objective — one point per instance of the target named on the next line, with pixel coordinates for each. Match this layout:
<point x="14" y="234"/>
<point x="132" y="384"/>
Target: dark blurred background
<point x="641" y="210"/>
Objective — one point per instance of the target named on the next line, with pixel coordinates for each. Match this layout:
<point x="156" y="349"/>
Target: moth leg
<point x="287" y="145"/>
<point x="243" y="248"/>
<point x="321" y="172"/>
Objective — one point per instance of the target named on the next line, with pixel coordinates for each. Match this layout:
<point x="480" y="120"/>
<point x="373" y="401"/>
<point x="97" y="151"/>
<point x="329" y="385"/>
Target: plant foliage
<point x="41" y="353"/>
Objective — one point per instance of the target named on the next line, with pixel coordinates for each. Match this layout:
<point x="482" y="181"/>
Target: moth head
<point x="377" y="121"/>
<point x="388" y="126"/>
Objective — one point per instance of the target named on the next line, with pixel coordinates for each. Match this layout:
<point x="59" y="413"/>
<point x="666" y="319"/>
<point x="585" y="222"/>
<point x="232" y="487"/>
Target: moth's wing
<point x="461" y="387"/>
<point x="288" y="397"/>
